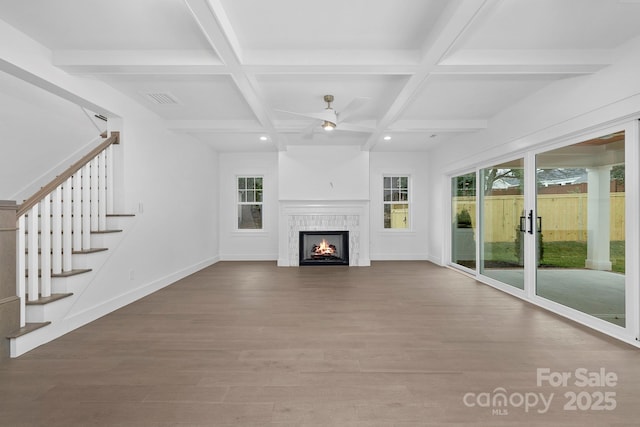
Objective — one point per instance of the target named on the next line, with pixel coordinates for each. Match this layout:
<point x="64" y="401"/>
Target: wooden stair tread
<point x="29" y="327"/>
<point x="69" y="273"/>
<point x="92" y="231"/>
<point x="89" y="251"/>
<point x="73" y="272"/>
<point x="47" y="300"/>
<point x="113" y="215"/>
<point x="82" y="252"/>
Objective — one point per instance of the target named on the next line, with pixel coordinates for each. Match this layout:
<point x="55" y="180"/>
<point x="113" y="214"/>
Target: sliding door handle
<point x="523" y="224"/>
<point x="530" y="218"/>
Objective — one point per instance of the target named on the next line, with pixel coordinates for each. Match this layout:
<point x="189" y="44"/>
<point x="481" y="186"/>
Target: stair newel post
<point x="86" y="208"/>
<point x="33" y="247"/>
<point x="45" y="246"/>
<point x="21" y="267"/>
<point x="94" y="193"/>
<point x="109" y="178"/>
<point x="102" y="191"/>
<point x="56" y="231"/>
<point x="76" y="206"/>
<point x="67" y="227"/>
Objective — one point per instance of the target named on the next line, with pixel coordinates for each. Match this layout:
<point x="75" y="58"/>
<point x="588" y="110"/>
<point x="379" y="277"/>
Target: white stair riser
<point x="82" y="261"/>
<point x="73" y="284"/>
<point x="48" y="312"/>
<point x="104" y="240"/>
<point x="92" y="260"/>
<point x="119" y="222"/>
<point x="28" y="342"/>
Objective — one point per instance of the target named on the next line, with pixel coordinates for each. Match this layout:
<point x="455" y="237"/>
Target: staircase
<point x="64" y="233"/>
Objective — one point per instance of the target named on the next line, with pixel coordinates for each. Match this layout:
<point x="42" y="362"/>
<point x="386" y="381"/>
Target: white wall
<point x="410" y="244"/>
<point x="565" y="108"/>
<point x="39" y="131"/>
<point x="324" y="173"/>
<point x="171" y="187"/>
<point x="171" y="176"/>
<point x="248" y="244"/>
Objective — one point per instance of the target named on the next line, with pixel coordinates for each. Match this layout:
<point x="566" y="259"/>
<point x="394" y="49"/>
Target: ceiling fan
<point x="330" y="119"/>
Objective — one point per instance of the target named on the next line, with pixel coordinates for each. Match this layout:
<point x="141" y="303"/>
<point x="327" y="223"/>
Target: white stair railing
<point x="59" y="219"/>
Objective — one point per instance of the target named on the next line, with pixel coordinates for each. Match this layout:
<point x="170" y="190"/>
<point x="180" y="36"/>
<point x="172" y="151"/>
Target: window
<point x="249" y="202"/>
<point x="396" y="202"/>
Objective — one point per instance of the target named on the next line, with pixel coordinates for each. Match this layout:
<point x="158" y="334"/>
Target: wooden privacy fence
<point x="564" y="216"/>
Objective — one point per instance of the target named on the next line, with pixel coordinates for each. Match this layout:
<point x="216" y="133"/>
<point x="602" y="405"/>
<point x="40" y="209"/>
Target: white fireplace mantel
<point x="324" y="215"/>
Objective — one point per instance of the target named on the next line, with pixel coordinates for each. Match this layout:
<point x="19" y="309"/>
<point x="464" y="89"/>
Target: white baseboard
<point x="399" y="257"/>
<point x="436" y="260"/>
<point x="248" y="257"/>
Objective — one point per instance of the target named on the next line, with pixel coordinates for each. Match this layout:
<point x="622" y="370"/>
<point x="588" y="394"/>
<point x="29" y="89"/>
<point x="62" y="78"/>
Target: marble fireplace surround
<point x="325" y="215"/>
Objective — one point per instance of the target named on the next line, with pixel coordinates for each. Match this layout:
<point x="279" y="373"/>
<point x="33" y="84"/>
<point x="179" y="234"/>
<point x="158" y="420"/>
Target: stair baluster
<point x="58" y="220"/>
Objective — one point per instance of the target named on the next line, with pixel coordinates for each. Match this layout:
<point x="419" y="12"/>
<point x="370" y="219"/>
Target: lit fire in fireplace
<point x="323" y="249"/>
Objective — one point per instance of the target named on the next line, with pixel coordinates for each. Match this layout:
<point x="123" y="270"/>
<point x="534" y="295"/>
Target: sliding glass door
<point x="463" y="220"/>
<point x="502" y="251"/>
<point x="580" y="206"/>
<point x="552" y="227"/>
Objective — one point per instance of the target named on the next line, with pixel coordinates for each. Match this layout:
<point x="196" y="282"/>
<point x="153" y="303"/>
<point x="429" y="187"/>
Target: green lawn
<point x="555" y="254"/>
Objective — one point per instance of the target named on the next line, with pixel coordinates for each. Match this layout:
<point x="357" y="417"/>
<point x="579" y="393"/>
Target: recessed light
<point x="264" y="138"/>
<point x="387" y="138"/>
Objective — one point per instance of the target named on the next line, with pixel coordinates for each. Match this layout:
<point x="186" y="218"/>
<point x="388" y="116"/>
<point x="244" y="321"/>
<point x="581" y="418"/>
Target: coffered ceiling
<point x="224" y="71"/>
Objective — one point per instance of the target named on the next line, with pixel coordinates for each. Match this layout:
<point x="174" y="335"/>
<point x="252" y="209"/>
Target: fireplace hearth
<point x="324" y="248"/>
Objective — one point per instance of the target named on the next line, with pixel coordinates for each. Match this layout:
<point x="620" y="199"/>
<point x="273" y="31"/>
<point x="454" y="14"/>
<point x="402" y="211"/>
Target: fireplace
<point x="324" y="248"/>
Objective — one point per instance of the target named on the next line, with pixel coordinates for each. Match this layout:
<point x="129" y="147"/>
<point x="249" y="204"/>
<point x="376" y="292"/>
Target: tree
<point x="617" y="174"/>
<point x="491" y="175"/>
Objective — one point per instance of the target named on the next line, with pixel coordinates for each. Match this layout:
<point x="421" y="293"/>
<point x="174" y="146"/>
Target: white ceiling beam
<point x="337" y="69"/>
<point x="214" y="23"/>
<point x="215" y="126"/>
<point x="525" y="61"/>
<point x="138" y="62"/>
<point x="200" y="62"/>
<point x="339" y="57"/>
<point x="459" y="125"/>
<point x="227" y="29"/>
<point x="184" y="62"/>
<point x="522" y="69"/>
<point x="532" y="57"/>
<point x="453" y="22"/>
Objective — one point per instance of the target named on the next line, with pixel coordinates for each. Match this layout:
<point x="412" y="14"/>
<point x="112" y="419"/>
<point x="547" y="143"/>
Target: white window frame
<point x="409" y="202"/>
<point x="241" y="203"/>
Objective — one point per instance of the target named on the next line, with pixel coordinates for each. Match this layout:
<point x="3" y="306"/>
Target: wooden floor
<point x="394" y="344"/>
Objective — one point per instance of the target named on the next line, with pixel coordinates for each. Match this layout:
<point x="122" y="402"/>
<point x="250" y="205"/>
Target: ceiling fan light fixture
<point x="328" y="126"/>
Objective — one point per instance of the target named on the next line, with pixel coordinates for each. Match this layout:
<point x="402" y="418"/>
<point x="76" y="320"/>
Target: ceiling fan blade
<point x="350" y="127"/>
<point x="352" y="108"/>
<point x="329" y="115"/>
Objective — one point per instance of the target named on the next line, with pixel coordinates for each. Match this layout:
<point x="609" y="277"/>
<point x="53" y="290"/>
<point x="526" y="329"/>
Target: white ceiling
<point x="432" y="69"/>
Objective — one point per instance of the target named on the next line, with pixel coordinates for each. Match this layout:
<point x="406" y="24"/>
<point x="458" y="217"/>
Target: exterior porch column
<point x="598" y="213"/>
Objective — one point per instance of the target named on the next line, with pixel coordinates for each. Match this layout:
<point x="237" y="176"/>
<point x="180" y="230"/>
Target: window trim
<point x="409" y="202"/>
<point x="238" y="203"/>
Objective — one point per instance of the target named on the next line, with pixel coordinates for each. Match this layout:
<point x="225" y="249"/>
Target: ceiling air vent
<point x="160" y="98"/>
